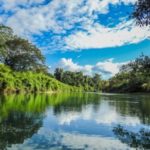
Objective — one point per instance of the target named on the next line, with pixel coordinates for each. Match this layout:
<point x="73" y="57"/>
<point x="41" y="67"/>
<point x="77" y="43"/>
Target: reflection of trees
<point x="139" y="140"/>
<point x="131" y="105"/>
<point x="21" y="115"/>
<point x="17" y="127"/>
<point x="144" y="106"/>
<point x="76" y="102"/>
<point x="125" y="104"/>
<point x="39" y="103"/>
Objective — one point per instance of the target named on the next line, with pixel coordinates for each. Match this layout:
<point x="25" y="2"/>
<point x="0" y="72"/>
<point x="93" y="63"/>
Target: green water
<point x="75" y="121"/>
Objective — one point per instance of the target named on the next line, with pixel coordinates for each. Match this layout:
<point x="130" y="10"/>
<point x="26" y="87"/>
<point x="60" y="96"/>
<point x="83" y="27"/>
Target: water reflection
<point x="17" y="127"/>
<point x="140" y="140"/>
<point x="47" y="121"/>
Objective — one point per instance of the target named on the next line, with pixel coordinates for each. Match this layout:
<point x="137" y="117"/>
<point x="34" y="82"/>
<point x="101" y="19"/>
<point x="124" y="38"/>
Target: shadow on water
<point x="140" y="140"/>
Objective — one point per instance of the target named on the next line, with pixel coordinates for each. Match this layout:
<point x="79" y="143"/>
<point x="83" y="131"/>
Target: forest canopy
<point x="89" y="83"/>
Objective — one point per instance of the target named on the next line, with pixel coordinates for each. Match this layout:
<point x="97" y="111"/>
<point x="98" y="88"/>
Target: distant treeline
<point x="78" y="79"/>
<point x="133" y="77"/>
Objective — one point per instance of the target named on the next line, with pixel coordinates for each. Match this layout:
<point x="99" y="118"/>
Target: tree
<point x="142" y="12"/>
<point x="140" y="65"/>
<point x="97" y="82"/>
<point x="133" y="77"/>
<point x="58" y="74"/>
<point x="18" y="53"/>
<point x="22" y="55"/>
<point x="6" y="34"/>
<point x="78" y="79"/>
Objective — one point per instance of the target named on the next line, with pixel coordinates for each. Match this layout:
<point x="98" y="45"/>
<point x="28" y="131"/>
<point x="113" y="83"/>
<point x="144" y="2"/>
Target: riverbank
<point x="25" y="82"/>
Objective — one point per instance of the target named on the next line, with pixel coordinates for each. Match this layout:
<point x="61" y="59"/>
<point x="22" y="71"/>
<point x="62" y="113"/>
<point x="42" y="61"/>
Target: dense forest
<point x="78" y="79"/>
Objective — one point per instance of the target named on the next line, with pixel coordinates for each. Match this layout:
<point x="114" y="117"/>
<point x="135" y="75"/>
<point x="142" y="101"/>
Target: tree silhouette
<point x="142" y="12"/>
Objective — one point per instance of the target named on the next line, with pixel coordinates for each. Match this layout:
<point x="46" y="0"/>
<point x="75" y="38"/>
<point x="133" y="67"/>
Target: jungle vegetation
<point x="18" y="53"/>
<point x="133" y="77"/>
<point x="78" y="79"/>
<point x="28" y="81"/>
<point x="22" y="66"/>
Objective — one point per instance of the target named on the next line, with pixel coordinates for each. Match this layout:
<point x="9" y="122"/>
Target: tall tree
<point x="18" y="53"/>
<point x="58" y="74"/>
<point x="140" y="65"/>
<point x="97" y="82"/>
<point x="22" y="55"/>
<point x="6" y="34"/>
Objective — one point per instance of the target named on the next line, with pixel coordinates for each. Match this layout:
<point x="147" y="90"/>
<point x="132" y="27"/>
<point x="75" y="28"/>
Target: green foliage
<point x="78" y="79"/>
<point x="19" y="53"/>
<point x="133" y="77"/>
<point x="11" y="81"/>
<point x="58" y="74"/>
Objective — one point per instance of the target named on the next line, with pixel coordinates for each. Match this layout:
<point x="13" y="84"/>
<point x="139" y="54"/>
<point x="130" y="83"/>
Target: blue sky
<point x="93" y="36"/>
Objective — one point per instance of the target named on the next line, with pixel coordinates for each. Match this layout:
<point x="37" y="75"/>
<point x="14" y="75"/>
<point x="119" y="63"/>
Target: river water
<point x="75" y="121"/>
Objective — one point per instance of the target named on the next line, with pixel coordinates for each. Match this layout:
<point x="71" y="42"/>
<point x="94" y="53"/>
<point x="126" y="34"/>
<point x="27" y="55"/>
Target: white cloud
<point x="29" y="17"/>
<point x="106" y="115"/>
<point x="102" y="6"/>
<point x="99" y="36"/>
<point x="49" y="139"/>
<point x="79" y="141"/>
<point x="68" y="64"/>
<point x="13" y="4"/>
<point x="33" y="21"/>
<point x="69" y="117"/>
<point x="106" y="68"/>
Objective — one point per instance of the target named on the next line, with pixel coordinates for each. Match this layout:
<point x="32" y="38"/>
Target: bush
<point x="11" y="81"/>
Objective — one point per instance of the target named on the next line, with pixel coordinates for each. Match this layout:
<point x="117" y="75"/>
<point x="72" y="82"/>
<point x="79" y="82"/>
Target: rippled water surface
<point x="75" y="121"/>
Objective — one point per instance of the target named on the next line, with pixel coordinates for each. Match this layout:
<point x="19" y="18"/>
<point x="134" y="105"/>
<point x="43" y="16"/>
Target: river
<point x="75" y="121"/>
